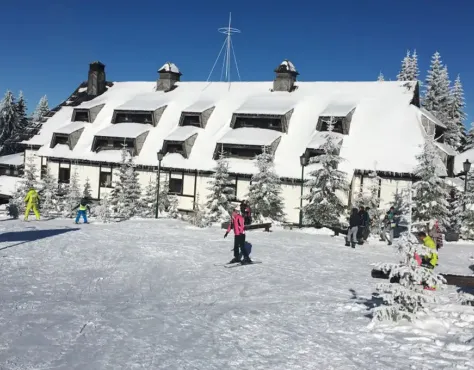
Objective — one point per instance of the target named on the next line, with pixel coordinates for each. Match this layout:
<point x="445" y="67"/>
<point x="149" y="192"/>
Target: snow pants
<point x="352" y="234"/>
<point x="83" y="214"/>
<point x="239" y="242"/>
<point x="34" y="207"/>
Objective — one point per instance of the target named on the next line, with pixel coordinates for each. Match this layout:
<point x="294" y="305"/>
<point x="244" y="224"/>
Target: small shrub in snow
<point x="199" y="218"/>
<point x="173" y="207"/>
<point x="50" y="205"/>
<point x="265" y="190"/>
<point x="72" y="197"/>
<point x="103" y="210"/>
<point x="87" y="192"/>
<point x="406" y="299"/>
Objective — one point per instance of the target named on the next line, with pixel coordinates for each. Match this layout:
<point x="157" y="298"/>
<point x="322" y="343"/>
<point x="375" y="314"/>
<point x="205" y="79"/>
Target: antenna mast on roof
<point x="229" y="53"/>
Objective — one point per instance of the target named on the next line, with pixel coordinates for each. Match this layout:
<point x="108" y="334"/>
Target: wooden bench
<point x="457" y="280"/>
<point x="265" y="226"/>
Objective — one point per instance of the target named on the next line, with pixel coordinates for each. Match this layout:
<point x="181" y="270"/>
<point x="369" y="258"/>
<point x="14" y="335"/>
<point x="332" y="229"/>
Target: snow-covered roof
<point x="125" y="130"/>
<point x="17" y="159"/>
<point x="385" y="131"/>
<point x="338" y="109"/>
<point x="319" y="138"/>
<point x="8" y="184"/>
<point x="250" y="136"/>
<point x="182" y="133"/>
<point x="145" y="102"/>
<point x="200" y="106"/>
<point x="288" y="65"/>
<point x="431" y="117"/>
<point x="278" y="104"/>
<point x="446" y="148"/>
<point x="461" y="158"/>
<point x="69" y="129"/>
<point x="169" y="67"/>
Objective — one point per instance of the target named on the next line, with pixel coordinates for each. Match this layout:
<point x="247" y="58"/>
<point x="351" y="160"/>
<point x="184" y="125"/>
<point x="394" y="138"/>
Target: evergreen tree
<point x="49" y="195"/>
<point x="41" y="109"/>
<point x="406" y="299"/>
<point x="103" y="211"/>
<point x="437" y="98"/>
<point x="87" y="192"/>
<point x="430" y="200"/>
<point x="219" y="200"/>
<point x="324" y="205"/>
<point x="455" y="208"/>
<point x="21" y="112"/>
<point x="401" y="204"/>
<point x="413" y="71"/>
<point x="380" y="77"/>
<point x="456" y="112"/>
<point x="28" y="181"/>
<point x="9" y="115"/>
<point x="72" y="196"/>
<point x="199" y="218"/>
<point x="265" y="190"/>
<point x="164" y="201"/>
<point x="470" y="138"/>
<point x="149" y="200"/>
<point x="405" y="68"/>
<point x="173" y="207"/>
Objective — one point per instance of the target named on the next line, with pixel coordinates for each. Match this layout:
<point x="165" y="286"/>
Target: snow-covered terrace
<point x="383" y="122"/>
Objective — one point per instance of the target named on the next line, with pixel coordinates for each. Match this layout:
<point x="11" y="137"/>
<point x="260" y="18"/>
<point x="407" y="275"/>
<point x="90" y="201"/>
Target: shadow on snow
<point x="369" y="303"/>
<point x="31" y="235"/>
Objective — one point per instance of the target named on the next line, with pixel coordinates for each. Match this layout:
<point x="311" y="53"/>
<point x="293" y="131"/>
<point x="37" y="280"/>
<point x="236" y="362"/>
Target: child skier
<point x="431" y="260"/>
<point x="31" y="201"/>
<point x="237" y="224"/>
<point x="83" y="206"/>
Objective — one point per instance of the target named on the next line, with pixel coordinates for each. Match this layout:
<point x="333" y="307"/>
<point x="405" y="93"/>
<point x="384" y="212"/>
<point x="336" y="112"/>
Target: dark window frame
<point x="175" y="181"/>
<point x="176" y="147"/>
<point x="189" y="119"/>
<point x="102" y="183"/>
<point x="81" y="115"/>
<point x="64" y="179"/>
<point x="272" y="122"/>
<point x="145" y="118"/>
<point x="62" y="139"/>
<point x="232" y="151"/>
<point x="338" y="125"/>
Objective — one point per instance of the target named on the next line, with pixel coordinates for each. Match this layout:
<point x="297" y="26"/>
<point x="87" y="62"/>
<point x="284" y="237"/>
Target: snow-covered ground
<point x="146" y="295"/>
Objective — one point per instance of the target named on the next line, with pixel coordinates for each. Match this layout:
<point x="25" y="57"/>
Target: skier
<point x="431" y="260"/>
<point x="366" y="231"/>
<point x="354" y="222"/>
<point x="389" y="225"/>
<point x="362" y="225"/>
<point x="435" y="233"/>
<point x="32" y="199"/>
<point x="237" y="224"/>
<point x="83" y="206"/>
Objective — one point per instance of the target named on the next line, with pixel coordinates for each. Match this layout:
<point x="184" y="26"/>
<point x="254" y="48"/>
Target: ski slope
<point x="146" y="295"/>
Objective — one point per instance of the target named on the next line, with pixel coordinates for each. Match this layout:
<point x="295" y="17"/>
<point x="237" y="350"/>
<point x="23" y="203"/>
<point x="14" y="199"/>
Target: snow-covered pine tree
<point x="437" y="97"/>
<point x="164" y="196"/>
<point x="49" y="195"/>
<point x="457" y="114"/>
<point x="149" y="200"/>
<point x="72" y="196"/>
<point x="467" y="215"/>
<point x="87" y="192"/>
<point x="41" y="109"/>
<point x="219" y="199"/>
<point x="9" y="115"/>
<point x="406" y="299"/>
<point x="380" y="77"/>
<point x="103" y="211"/>
<point x="324" y="205"/>
<point x="455" y="210"/>
<point x="413" y="71"/>
<point x="401" y="204"/>
<point x="21" y="111"/>
<point x="28" y="181"/>
<point x="173" y="207"/>
<point x="133" y="190"/>
<point x="470" y="138"/>
<point x="403" y="75"/>
<point x="117" y="196"/>
<point x="430" y="199"/>
<point x="199" y="218"/>
<point x="264" y="193"/>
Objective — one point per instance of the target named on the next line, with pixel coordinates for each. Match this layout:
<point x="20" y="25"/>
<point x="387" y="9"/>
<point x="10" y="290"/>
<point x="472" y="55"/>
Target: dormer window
<point x="246" y="143"/>
<point x="135" y="117"/>
<point x="447" y="155"/>
<point x="181" y="141"/>
<point x="271" y="113"/>
<point x="316" y="145"/>
<point x="67" y="135"/>
<point x="128" y="135"/>
<point x="86" y="113"/>
<point x="197" y="114"/>
<point x="144" y="109"/>
<point x="432" y="126"/>
<point x="62" y="139"/>
<point x="340" y="113"/>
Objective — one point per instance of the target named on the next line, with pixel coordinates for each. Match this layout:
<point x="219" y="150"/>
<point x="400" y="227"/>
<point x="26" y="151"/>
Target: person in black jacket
<point x="354" y="222"/>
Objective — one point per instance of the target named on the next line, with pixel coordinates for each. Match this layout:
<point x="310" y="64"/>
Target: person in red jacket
<point x="237" y="224"/>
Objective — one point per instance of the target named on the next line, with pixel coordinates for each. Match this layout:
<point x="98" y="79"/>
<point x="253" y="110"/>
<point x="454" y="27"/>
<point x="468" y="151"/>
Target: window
<point x="16" y="172"/>
<point x="81" y="115"/>
<point x="64" y="175"/>
<point x="111" y="143"/>
<point x="191" y="120"/>
<point x="44" y="171"/>
<point x="119" y="144"/>
<point x="428" y="125"/>
<point x="450" y="166"/>
<point x="176" y="186"/>
<point x="105" y="179"/>
<point x="245" y="152"/>
<point x="4" y="171"/>
<point x="174" y="148"/>
<point x="338" y="124"/>
<point x="270" y="123"/>
<point x="145" y="117"/>
<point x="61" y="139"/>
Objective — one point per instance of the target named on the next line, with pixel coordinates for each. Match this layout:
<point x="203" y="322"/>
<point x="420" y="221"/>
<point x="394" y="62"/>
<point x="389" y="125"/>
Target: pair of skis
<point x="237" y="264"/>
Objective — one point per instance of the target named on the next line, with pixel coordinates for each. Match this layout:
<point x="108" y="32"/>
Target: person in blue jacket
<point x="83" y="206"/>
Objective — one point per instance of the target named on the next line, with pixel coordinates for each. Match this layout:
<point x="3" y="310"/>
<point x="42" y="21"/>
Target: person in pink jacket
<point x="237" y="224"/>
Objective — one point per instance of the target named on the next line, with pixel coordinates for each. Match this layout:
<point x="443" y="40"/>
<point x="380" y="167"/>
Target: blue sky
<point x="46" y="46"/>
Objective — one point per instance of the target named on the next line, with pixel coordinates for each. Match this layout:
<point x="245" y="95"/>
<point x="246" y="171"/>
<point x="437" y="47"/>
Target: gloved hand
<point x="225" y="235"/>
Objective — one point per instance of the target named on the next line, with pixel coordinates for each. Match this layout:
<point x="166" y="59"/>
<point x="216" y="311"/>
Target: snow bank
<point x="17" y="159"/>
<point x="8" y="184"/>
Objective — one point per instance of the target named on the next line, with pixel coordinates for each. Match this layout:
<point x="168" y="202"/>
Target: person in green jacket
<point x="31" y="201"/>
<point x="83" y="206"/>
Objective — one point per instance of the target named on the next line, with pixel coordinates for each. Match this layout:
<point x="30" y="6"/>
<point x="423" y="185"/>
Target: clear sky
<point x="46" y="46"/>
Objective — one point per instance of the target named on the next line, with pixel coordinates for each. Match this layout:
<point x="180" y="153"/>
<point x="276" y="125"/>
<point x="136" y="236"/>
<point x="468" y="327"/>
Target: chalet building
<point x="378" y="126"/>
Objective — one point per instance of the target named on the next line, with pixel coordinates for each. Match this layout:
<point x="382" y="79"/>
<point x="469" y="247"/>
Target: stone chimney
<point x="96" y="79"/>
<point x="169" y="75"/>
<point x="285" y="77"/>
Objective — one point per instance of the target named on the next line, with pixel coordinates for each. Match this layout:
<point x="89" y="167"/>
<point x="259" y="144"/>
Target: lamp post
<point x="466" y="167"/>
<point x="303" y="163"/>
<point x="160" y="156"/>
